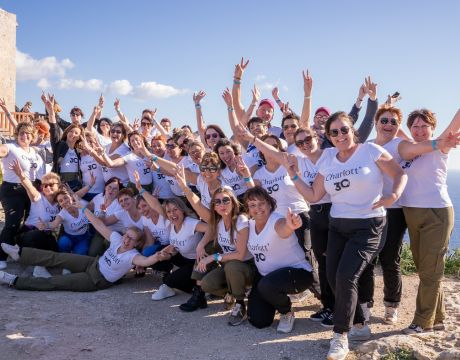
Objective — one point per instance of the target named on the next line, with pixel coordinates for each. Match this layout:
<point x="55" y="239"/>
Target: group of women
<point x="266" y="213"/>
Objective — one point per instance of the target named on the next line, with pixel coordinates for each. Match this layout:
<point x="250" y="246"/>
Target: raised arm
<point x="236" y="89"/>
<point x="286" y="226"/>
<point x="151" y="200"/>
<point x="123" y="119"/>
<point x="306" y="108"/>
<point x="197" y="97"/>
<point x="10" y="117"/>
<point x="409" y="150"/>
<point x="98" y="224"/>
<point x="356" y="108"/>
<point x="232" y="119"/>
<point x="255" y="100"/>
<point x="96" y="114"/>
<point x="367" y="124"/>
<point x="453" y="126"/>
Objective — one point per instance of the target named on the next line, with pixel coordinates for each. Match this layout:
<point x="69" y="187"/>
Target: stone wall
<point x="7" y="58"/>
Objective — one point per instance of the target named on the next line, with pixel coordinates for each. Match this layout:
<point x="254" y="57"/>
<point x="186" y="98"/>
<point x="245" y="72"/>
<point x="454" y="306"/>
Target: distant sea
<point x="453" y="183"/>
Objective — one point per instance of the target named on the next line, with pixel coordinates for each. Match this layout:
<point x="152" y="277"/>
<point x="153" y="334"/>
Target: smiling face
<point x="105" y="127"/>
<point x="144" y="208"/>
<point x="307" y="142"/>
<point x="111" y="190"/>
<point x="130" y="239"/>
<point x="258" y="129"/>
<point x="209" y="171"/>
<point x="212" y="137"/>
<point x="158" y="147"/>
<point x="223" y="204"/>
<point x="166" y="125"/>
<point x="184" y="142"/>
<point x="126" y="202"/>
<point x="50" y="187"/>
<point x="116" y="134"/>
<point x="75" y="117"/>
<point x="387" y="126"/>
<point x="421" y="130"/>
<point x="136" y="142"/>
<point x="64" y="201"/>
<point x="289" y="128"/>
<point x="196" y="153"/>
<point x="174" y="214"/>
<point x="25" y="137"/>
<point x="259" y="209"/>
<point x="172" y="149"/>
<point x="320" y="119"/>
<point x="73" y="135"/>
<point x="265" y="112"/>
<point x="226" y="154"/>
<point x="341" y="134"/>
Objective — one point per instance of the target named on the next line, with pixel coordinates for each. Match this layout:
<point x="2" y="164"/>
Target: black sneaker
<point x="328" y="322"/>
<point x="320" y="315"/>
<point x="197" y="301"/>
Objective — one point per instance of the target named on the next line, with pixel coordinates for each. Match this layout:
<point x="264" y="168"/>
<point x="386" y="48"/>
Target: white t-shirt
<point x="280" y="187"/>
<point x="136" y="163"/>
<point x="223" y="236"/>
<point x="161" y="185"/>
<point x="113" y="265"/>
<point x="41" y="209"/>
<point x="354" y="185"/>
<point x="173" y="184"/>
<point x="70" y="162"/>
<point x="203" y="188"/>
<point x="126" y="220"/>
<point x="309" y="171"/>
<point x="88" y="165"/>
<point x="74" y="226"/>
<point x="233" y="180"/>
<point x="119" y="172"/>
<point x="186" y="240"/>
<point x="160" y="231"/>
<point x="271" y="252"/>
<point x="102" y="140"/>
<point x="293" y="149"/>
<point x="114" y="207"/>
<point x="427" y="181"/>
<point x="31" y="163"/>
<point x="252" y="157"/>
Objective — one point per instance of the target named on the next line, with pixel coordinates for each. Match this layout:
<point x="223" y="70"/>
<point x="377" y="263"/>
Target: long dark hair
<point x="215" y="217"/>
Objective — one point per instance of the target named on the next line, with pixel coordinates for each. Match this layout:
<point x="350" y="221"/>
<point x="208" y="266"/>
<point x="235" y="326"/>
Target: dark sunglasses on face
<point x="305" y="141"/>
<point x="292" y="126"/>
<point x="213" y="135"/>
<point x="385" y="121"/>
<point x="212" y="169"/>
<point x="75" y="114"/>
<point x="49" y="185"/>
<point x="116" y="131"/>
<point x="225" y="201"/>
<point x="171" y="146"/>
<point x="145" y="123"/>
<point x="184" y="142"/>
<point x="335" y="132"/>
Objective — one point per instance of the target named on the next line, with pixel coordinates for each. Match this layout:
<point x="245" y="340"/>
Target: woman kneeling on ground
<point x="88" y="273"/>
<point x="280" y="260"/>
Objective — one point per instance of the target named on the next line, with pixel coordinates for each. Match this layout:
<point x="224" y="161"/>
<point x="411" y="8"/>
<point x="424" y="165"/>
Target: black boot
<point x="197" y="301"/>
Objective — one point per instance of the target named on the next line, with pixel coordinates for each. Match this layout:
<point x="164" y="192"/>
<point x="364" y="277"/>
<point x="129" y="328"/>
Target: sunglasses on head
<point x="212" y="169"/>
<point x="213" y="135"/>
<point x="305" y="141"/>
<point x="292" y="126"/>
<point x="225" y="201"/>
<point x="335" y="132"/>
<point x="385" y="121"/>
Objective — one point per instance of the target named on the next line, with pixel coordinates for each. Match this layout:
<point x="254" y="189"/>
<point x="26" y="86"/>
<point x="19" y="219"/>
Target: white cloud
<point x="120" y="87"/>
<point x="266" y="86"/>
<point x="28" y="68"/>
<point x="43" y="83"/>
<point x="285" y="88"/>
<point x="152" y="89"/>
<point x="259" y="78"/>
<point x="91" y="84"/>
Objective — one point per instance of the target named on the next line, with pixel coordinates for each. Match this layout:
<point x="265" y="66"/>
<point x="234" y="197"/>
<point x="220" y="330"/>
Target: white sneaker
<point x="286" y="323"/>
<point x="338" y="349"/>
<point x="366" y="311"/>
<point x="3" y="265"/>
<point x="41" y="272"/>
<point x="304" y="295"/>
<point x="66" y="272"/>
<point x="359" y="333"/>
<point x="7" y="278"/>
<point x="163" y="292"/>
<point x="391" y="315"/>
<point x="12" y="251"/>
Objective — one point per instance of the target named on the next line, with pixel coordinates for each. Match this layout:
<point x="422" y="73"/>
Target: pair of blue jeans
<point x="76" y="244"/>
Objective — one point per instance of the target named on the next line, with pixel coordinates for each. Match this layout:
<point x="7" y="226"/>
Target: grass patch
<point x="452" y="262"/>
<point x="399" y="354"/>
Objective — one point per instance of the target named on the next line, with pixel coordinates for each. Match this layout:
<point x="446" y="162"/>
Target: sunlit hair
<point x="226" y="142"/>
<point x="43" y="127"/>
<point x="278" y="143"/>
<point x="215" y="217"/>
<point x="258" y="193"/>
<point x="210" y="158"/>
<point x="126" y="191"/>
<point x="70" y="128"/>
<point x="136" y="133"/>
<point x="159" y="138"/>
<point x="139" y="236"/>
<point x="28" y="127"/>
<point x="341" y="115"/>
<point x="63" y="192"/>
<point x="180" y="204"/>
<point x="426" y="115"/>
<point x="51" y="177"/>
<point x="392" y="110"/>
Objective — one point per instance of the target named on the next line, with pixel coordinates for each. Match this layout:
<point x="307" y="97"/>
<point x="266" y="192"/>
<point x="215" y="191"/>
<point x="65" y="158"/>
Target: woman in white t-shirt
<point x="352" y="174"/>
<point x="13" y="196"/>
<point x="129" y="215"/>
<point x="87" y="273"/>
<point x="160" y="183"/>
<point x="280" y="260"/>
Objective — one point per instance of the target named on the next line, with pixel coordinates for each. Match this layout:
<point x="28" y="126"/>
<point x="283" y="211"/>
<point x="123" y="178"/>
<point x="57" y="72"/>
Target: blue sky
<point x="155" y="54"/>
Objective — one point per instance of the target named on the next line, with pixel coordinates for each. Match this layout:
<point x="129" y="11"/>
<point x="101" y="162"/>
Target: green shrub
<point x="399" y="354"/>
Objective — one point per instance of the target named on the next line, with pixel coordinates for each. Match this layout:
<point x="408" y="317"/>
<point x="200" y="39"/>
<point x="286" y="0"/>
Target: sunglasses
<point x="212" y="169"/>
<point x="146" y="124"/>
<point x="335" y="132"/>
<point x="171" y="146"/>
<point x="74" y="114"/>
<point x="292" y="126"/>
<point x="113" y="131"/>
<point x="184" y="142"/>
<point x="385" y="121"/>
<point x="49" y="185"/>
<point x="213" y="135"/>
<point x="305" y="141"/>
<point x="225" y="201"/>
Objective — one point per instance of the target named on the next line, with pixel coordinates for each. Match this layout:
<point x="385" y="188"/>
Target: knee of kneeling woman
<point x="257" y="322"/>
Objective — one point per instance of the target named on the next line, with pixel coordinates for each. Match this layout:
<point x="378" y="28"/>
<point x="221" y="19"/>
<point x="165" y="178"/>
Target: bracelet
<point x="230" y="108"/>
<point x="237" y="82"/>
<point x="155" y="158"/>
<point x="197" y="106"/>
<point x="253" y="104"/>
<point x="83" y="209"/>
<point x="278" y="101"/>
<point x="216" y="257"/>
<point x="434" y="144"/>
<point x="142" y="191"/>
<point x="248" y="179"/>
<point x="295" y="177"/>
<point x="158" y="170"/>
<point x="307" y="97"/>
<point x="237" y="78"/>
<point x="360" y="100"/>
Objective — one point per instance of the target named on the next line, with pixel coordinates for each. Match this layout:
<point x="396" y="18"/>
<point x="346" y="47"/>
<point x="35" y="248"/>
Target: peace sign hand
<point x="293" y="221"/>
<point x="239" y="68"/>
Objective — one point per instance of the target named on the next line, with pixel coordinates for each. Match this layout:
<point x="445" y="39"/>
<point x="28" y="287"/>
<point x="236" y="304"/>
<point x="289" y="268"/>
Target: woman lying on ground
<point x="88" y="273"/>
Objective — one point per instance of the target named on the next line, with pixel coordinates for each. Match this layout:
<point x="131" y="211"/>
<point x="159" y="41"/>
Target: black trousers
<point x="352" y="245"/>
<point x="319" y="231"/>
<point x="34" y="238"/>
<point x="270" y="294"/>
<point x="16" y="205"/>
<point x="180" y="278"/>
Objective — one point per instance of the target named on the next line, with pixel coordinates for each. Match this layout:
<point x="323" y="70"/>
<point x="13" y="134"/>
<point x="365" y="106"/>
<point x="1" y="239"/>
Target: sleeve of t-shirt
<point x="115" y="238"/>
<point x="119" y="214"/>
<point x="242" y="222"/>
<point x="376" y="151"/>
<point x="190" y="224"/>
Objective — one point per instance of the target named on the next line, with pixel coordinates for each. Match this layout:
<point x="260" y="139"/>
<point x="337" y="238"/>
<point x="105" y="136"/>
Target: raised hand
<point x="197" y="97"/>
<point x="239" y="69"/>
<point x="154" y="112"/>
<point x="371" y="88"/>
<point x="307" y="83"/>
<point x="101" y="101"/>
<point x="16" y="167"/>
<point x="227" y="96"/>
<point x="293" y="221"/>
<point x="449" y="142"/>
<point x="116" y="104"/>
<point x="290" y="164"/>
<point x="92" y="180"/>
<point x="3" y="105"/>
<point x="275" y="93"/>
<point x="180" y="177"/>
<point x="286" y="109"/>
<point x="156" y="191"/>
<point x="241" y="166"/>
<point x="136" y="124"/>
<point x="363" y="90"/>
<point x="244" y="133"/>
<point x="43" y="97"/>
<point x="255" y="94"/>
<point x="97" y="111"/>
<point x="137" y="179"/>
